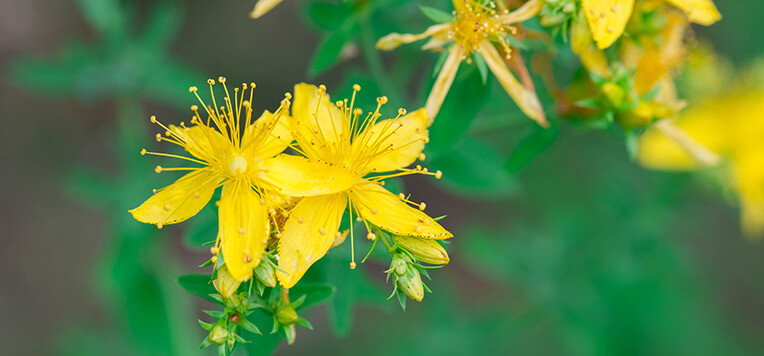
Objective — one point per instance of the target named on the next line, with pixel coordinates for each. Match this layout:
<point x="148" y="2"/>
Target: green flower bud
<point x="225" y="284"/>
<point x="411" y="284"/>
<point x="614" y="94"/>
<point x="399" y="265"/>
<point x="218" y="335"/>
<point x="286" y="315"/>
<point x="427" y="251"/>
<point x="265" y="273"/>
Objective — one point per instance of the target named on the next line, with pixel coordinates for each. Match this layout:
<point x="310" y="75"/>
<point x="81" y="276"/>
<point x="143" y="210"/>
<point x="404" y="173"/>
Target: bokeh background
<point x="563" y="244"/>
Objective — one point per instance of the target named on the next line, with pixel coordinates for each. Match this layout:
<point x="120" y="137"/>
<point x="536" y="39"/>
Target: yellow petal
<point x="443" y="82"/>
<point x="525" y="99"/>
<point x="180" y="200"/>
<point x="703" y="12"/>
<point x="392" y="144"/>
<point x="316" y="122"/>
<point x="203" y="142"/>
<point x="582" y="44"/>
<point x="393" y="40"/>
<point x="243" y="230"/>
<point x="298" y="176"/>
<point x="265" y="138"/>
<point x="659" y="150"/>
<point x="262" y="7"/>
<point x="384" y="209"/>
<point x="308" y="234"/>
<point x="607" y="19"/>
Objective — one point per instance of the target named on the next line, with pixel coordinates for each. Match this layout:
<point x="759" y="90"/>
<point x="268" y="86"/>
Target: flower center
<point x="475" y="23"/>
<point x="237" y="165"/>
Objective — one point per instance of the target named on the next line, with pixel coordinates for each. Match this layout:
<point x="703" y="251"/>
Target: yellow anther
<point x="288" y="96"/>
<point x="159" y="137"/>
<point x="358" y="218"/>
<point x="425" y="170"/>
<point x="373" y="211"/>
<point x="438" y="174"/>
<point x="340" y="103"/>
<point x="352" y="265"/>
<point x="214" y="259"/>
<point x="300" y="220"/>
<point x="194" y="108"/>
<point x="247" y="259"/>
<point x="214" y="250"/>
<point x="371" y="236"/>
<point x="401" y="196"/>
<point x="321" y="89"/>
<point x="422" y="206"/>
<point x="221" y="79"/>
<point x="252" y="85"/>
<point x="167" y="207"/>
<point x="422" y="156"/>
<point x="322" y="231"/>
<point x="382" y="100"/>
<point x="245" y="252"/>
<point x="153" y="119"/>
<point x="356" y="87"/>
<point x="401" y="111"/>
<point x="192" y="89"/>
<point x="159" y="226"/>
<point x="210" y="81"/>
<point x="357" y="111"/>
<point x="154" y="191"/>
<point x="158" y="169"/>
<point x="143" y="152"/>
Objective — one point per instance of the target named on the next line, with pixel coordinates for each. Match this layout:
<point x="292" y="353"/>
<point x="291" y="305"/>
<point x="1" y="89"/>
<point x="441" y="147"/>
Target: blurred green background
<point x="562" y="246"/>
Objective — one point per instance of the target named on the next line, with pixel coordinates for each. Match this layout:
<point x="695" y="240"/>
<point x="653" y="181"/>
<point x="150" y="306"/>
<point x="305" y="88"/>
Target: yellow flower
<point x="342" y="146"/>
<point x="262" y="7"/>
<point x="607" y="19"/>
<point x="730" y="126"/>
<point x="477" y="26"/>
<point x="230" y="150"/>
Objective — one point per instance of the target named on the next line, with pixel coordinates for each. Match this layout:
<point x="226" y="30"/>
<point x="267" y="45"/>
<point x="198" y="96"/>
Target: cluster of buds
<point x="558" y="13"/>
<point x="225" y="333"/>
<point x="406" y="268"/>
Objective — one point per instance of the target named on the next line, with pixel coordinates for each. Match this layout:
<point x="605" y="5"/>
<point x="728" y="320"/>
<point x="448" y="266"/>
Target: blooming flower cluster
<point x="281" y="212"/>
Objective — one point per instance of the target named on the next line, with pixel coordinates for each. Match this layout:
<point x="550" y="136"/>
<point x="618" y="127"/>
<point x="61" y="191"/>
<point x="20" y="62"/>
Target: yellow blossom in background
<point x="477" y="27"/>
<point x="607" y="19"/>
<point x="731" y="126"/>
<point x="228" y="149"/>
<point x="342" y="147"/>
<point x="262" y="7"/>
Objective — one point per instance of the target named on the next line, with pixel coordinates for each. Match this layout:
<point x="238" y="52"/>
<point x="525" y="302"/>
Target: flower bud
<point x="399" y="265"/>
<point x="286" y="315"/>
<point x="265" y="273"/>
<point x="411" y="284"/>
<point x="613" y="93"/>
<point x="427" y="251"/>
<point x="225" y="284"/>
<point x="218" y="335"/>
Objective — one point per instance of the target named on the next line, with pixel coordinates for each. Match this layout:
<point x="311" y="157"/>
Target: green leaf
<point x="162" y="24"/>
<point x="531" y="146"/>
<point x="475" y="170"/>
<point x="436" y="15"/>
<point x="314" y="293"/>
<point x="463" y="102"/>
<point x="198" y="284"/>
<point x="106" y="16"/>
<point x="328" y="16"/>
<point x="330" y="49"/>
